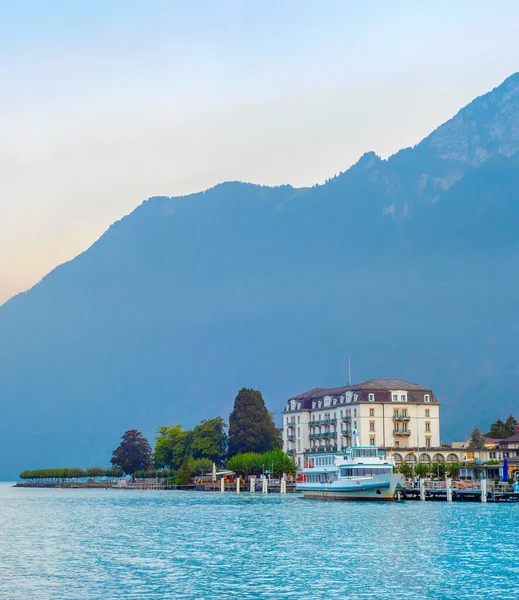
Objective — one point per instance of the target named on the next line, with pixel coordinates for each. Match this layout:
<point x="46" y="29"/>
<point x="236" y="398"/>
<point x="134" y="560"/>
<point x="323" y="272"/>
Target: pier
<point x="458" y="491"/>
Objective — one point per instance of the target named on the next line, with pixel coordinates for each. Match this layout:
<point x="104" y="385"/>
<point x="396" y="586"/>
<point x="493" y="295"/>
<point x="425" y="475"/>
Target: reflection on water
<point x="103" y="544"/>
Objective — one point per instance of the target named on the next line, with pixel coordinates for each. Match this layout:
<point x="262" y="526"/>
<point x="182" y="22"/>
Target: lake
<point x="107" y="544"/>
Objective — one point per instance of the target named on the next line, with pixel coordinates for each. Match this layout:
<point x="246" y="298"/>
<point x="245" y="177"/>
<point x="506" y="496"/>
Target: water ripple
<point x="114" y="544"/>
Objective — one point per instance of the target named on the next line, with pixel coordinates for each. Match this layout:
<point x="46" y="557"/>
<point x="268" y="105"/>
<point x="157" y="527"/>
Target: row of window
<point x="327" y="416"/>
<point x="505" y="454"/>
<point x="364" y="471"/>
<point x="321" y="477"/>
<point x="322" y="461"/>
<point x="348" y="397"/>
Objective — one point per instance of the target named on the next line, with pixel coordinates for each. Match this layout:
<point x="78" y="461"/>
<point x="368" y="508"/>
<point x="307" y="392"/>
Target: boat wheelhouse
<point x="356" y="473"/>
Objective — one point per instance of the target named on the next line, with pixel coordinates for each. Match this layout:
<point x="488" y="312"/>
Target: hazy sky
<point x="105" y="103"/>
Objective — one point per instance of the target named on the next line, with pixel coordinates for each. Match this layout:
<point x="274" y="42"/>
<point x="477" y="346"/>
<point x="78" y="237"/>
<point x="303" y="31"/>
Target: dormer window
<point x="427" y="398"/>
<point x="403" y="398"/>
<point x="395" y="398"/>
<point x="371" y="397"/>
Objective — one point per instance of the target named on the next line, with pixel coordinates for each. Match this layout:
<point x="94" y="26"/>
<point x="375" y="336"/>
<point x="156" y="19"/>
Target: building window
<point x="371" y="412"/>
<point x="427" y="413"/>
<point x="372" y="441"/>
<point x="395" y="398"/>
<point x="372" y="425"/>
<point x="397" y="444"/>
<point x="371" y="397"/>
<point x="403" y="398"/>
<point x="298" y="445"/>
<point x="404" y="413"/>
<point x="298" y="432"/>
<point x="298" y="419"/>
<point x="427" y="442"/>
<point x="427" y="427"/>
<point x="426" y="398"/>
<point x="354" y="412"/>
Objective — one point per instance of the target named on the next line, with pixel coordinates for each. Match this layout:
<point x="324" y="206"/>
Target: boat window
<point x="364" y="472"/>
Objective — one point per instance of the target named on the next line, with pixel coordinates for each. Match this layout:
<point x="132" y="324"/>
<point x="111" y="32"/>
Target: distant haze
<point x="105" y="104"/>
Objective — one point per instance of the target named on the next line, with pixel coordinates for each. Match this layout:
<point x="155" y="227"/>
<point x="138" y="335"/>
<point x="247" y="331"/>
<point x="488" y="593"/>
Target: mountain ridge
<point x="405" y="263"/>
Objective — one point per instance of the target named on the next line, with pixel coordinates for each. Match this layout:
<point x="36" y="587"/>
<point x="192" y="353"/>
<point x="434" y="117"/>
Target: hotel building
<point x="389" y="413"/>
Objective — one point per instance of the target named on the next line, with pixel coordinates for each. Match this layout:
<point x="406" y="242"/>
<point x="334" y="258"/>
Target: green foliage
<point x="422" y="469"/>
<point x="185" y="473"/>
<point x="406" y="469"/>
<point x="171" y="446"/>
<point x="201" y="466"/>
<point x="500" y="430"/>
<point x="113" y="472"/>
<point x="477" y="439"/>
<point x="438" y="468"/>
<point x="251" y="463"/>
<point x="63" y="474"/>
<point x="453" y="469"/>
<point x="94" y="472"/>
<point x="251" y="425"/>
<point x="133" y="453"/>
<point x="209" y="440"/>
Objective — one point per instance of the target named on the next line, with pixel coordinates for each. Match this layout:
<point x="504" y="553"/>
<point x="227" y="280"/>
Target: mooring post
<point x="283" y="486"/>
<point x="265" y="485"/>
<point x="483" y="490"/>
<point x="222" y="485"/>
<point x="422" y="489"/>
<point x="238" y="485"/>
<point x="252" y="485"/>
<point x="448" y="488"/>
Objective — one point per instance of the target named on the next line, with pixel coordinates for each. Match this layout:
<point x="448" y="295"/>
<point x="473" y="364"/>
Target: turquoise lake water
<point x="107" y="544"/>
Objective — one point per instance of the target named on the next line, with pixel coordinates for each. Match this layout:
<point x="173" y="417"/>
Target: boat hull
<point x="379" y="488"/>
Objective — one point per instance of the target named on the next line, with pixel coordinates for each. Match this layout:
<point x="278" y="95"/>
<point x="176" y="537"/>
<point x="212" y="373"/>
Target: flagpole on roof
<point x="349" y="370"/>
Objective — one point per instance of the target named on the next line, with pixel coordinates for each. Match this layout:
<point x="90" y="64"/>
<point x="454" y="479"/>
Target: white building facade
<point x="388" y="413"/>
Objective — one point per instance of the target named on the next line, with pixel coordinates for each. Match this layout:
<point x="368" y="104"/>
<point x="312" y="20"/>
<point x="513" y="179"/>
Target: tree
<point x="209" y="440"/>
<point x="477" y="439"/>
<point x="133" y="453"/>
<point x="251" y="425"/>
<point x="94" y="472"/>
<point x="171" y="446"/>
<point x="453" y="469"/>
<point x="498" y="430"/>
<point x="422" y="469"/>
<point x="251" y="463"/>
<point x="113" y="472"/>
<point x="438" y="468"/>
<point x="405" y="469"/>
<point x="511" y="426"/>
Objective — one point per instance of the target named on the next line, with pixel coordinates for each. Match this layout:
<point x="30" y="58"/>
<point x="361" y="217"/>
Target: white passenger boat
<point x="356" y="473"/>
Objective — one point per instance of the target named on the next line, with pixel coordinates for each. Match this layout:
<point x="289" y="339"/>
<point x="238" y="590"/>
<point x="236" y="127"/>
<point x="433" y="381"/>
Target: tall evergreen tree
<point x="511" y="426"/>
<point x="251" y="425"/>
<point x="477" y="439"/>
<point x="133" y="453"/>
<point x="498" y="430"/>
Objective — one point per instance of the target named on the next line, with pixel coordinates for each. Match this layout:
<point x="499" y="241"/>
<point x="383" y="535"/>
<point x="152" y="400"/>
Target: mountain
<point x="407" y="264"/>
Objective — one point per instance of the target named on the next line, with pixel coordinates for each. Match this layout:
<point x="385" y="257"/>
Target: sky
<point x="106" y="103"/>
